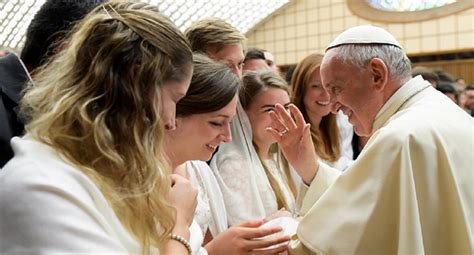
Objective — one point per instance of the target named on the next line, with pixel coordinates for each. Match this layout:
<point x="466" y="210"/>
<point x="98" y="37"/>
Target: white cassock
<point x="410" y="191"/>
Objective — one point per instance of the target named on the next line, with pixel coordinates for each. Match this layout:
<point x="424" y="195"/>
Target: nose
<point x="170" y="122"/>
<point x="237" y="70"/>
<point x="325" y="96"/>
<point x="226" y="134"/>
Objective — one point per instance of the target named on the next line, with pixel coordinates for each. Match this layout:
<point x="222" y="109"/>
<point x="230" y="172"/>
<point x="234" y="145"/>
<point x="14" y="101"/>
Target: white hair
<point x="359" y="55"/>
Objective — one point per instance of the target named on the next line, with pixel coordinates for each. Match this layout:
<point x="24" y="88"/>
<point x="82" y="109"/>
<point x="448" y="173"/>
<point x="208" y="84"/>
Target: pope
<point x="410" y="190"/>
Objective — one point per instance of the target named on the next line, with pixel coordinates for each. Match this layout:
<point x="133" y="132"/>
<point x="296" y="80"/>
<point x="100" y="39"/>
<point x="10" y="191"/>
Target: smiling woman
<point x="256" y="180"/>
<point x="91" y="167"/>
<point x="204" y="114"/>
<point x="202" y="124"/>
<point x="331" y="133"/>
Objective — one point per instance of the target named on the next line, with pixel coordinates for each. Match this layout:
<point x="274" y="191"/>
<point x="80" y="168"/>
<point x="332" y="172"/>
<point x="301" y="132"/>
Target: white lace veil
<point x="240" y="174"/>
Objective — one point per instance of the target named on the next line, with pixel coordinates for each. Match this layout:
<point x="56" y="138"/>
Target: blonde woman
<point x="331" y="133"/>
<point x="202" y="123"/>
<point x="90" y="175"/>
<point x="256" y="181"/>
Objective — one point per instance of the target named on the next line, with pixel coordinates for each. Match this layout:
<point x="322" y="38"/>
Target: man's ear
<point x="379" y="73"/>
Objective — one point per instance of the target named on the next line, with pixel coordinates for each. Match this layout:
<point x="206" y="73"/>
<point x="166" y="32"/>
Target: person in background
<point x="410" y="189"/>
<point x="220" y="41"/>
<point x="271" y="61"/>
<point x="331" y="133"/>
<point x="256" y="182"/>
<point x="44" y="33"/>
<point x="255" y="60"/>
<point x="449" y="90"/>
<point x="207" y="109"/>
<point x="469" y="99"/>
<point x="90" y="175"/>
<point x="428" y="74"/>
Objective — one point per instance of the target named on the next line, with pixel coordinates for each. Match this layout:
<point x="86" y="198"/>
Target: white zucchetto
<point x="366" y="34"/>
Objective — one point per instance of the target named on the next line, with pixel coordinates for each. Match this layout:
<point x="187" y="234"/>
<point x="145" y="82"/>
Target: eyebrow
<point x="272" y="105"/>
<point x="222" y="115"/>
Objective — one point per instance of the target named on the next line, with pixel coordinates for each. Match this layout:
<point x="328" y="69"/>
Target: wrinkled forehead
<point x="329" y="63"/>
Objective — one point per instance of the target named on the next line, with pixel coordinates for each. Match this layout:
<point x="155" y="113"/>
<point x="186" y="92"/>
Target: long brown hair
<point x="326" y="137"/>
<point x="253" y="83"/>
<point x="212" y="87"/>
<point x="97" y="103"/>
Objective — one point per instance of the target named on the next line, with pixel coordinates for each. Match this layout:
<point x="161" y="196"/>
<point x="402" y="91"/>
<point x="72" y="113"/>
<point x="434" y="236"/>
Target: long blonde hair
<point x="97" y="103"/>
<point x="325" y="138"/>
<point x="253" y="83"/>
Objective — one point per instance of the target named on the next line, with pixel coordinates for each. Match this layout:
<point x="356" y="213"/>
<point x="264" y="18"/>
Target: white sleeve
<point x="41" y="214"/>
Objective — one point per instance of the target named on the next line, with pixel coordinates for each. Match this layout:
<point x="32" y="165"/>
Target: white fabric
<point x="196" y="239"/>
<point x="241" y="176"/>
<point x="410" y="190"/>
<point x="365" y="34"/>
<point x="288" y="225"/>
<point x="49" y="207"/>
<point x="211" y="208"/>
<point x="346" y="132"/>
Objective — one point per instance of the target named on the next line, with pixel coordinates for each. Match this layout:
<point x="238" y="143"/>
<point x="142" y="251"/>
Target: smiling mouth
<point x="322" y="103"/>
<point x="211" y="147"/>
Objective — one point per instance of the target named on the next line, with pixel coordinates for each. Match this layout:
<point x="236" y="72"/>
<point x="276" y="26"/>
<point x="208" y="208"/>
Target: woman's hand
<point x="294" y="139"/>
<point x="248" y="238"/>
<point x="183" y="197"/>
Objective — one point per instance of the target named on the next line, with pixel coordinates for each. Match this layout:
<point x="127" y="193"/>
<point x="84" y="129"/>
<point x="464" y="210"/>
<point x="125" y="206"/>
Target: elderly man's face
<point x="350" y="91"/>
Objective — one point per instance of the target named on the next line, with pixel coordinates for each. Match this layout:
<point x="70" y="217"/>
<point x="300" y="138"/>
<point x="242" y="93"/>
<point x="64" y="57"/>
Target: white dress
<point x="210" y="211"/>
<point x="47" y="206"/>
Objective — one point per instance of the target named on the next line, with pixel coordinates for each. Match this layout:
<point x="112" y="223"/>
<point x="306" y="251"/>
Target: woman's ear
<point x="379" y="73"/>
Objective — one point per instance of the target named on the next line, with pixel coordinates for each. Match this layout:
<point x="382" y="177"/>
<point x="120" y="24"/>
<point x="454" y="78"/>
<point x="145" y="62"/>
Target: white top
<point x="47" y="206"/>
<point x="409" y="191"/>
<point x="50" y="207"/>
<point x="346" y="131"/>
<point x="210" y="211"/>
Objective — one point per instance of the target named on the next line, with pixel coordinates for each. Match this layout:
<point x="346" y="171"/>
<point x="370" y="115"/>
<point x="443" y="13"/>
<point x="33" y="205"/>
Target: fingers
<point x="273" y="250"/>
<point x="299" y="119"/>
<point x="265" y="243"/>
<point x="275" y="134"/>
<point x="251" y="233"/>
<point x="251" y="224"/>
<point x="278" y="122"/>
<point x="283" y="119"/>
<point x="285" y="116"/>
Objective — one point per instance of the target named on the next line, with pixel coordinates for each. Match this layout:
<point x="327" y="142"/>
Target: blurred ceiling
<point x="16" y="15"/>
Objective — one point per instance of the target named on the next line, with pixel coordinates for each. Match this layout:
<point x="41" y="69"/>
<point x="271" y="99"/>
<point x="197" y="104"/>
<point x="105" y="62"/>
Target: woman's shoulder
<point x="37" y="169"/>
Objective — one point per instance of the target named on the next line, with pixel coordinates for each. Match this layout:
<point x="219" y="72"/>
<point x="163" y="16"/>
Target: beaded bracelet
<point x="183" y="242"/>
